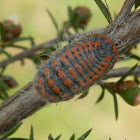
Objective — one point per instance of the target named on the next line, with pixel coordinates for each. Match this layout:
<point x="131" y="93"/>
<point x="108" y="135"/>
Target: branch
<point x="125" y="11"/>
<point x="28" y="52"/>
<point x="23" y="104"/>
<point x="122" y="71"/>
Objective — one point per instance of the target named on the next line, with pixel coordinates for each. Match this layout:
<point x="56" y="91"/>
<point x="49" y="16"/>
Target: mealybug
<point x="75" y="68"/>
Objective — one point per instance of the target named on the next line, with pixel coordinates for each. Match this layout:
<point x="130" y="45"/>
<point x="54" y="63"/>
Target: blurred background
<point x="72" y="116"/>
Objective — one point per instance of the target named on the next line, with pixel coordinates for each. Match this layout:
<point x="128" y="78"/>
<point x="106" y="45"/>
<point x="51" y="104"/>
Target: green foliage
<point x="84" y="94"/>
<point x="53" y="20"/>
<point x="104" y="10"/>
<point x="11" y="131"/>
<point x="32" y="134"/>
<point x="137" y="4"/>
<point x="72" y="137"/>
<point x="101" y="96"/>
<point x="19" y="39"/>
<point x="127" y="74"/>
<point x="130" y="95"/>
<point x="58" y="137"/>
<point x="133" y="56"/>
<point x="115" y="105"/>
<point x="2" y="32"/>
<point x="85" y="135"/>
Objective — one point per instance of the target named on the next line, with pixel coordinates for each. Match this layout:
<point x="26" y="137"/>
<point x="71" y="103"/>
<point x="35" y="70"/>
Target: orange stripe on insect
<point x="90" y="59"/>
<point x="97" y="72"/>
<point x="53" y="99"/>
<point x="68" y="53"/>
<point x="83" y="64"/>
<point x="80" y="48"/>
<point x="65" y="96"/>
<point x="97" y="44"/>
<point x="106" y="65"/>
<point x="55" y="63"/>
<point x="47" y="71"/>
<point x="89" y="81"/>
<point x="75" y="51"/>
<point x="40" y="81"/>
<point x="101" y="68"/>
<point x="93" y="76"/>
<point x="56" y="90"/>
<point x="76" y="90"/>
<point x="44" y="92"/>
<point x="108" y="58"/>
<point x="62" y="58"/>
<point x="90" y="43"/>
<point x="82" y="83"/>
<point x="87" y="61"/>
<point x="102" y="36"/>
<point x="116" y="56"/>
<point x="67" y="82"/>
<point x="50" y="82"/>
<point x="61" y="74"/>
<point x="72" y="72"/>
<point x="84" y="44"/>
<point x="108" y="41"/>
<point x="78" y="67"/>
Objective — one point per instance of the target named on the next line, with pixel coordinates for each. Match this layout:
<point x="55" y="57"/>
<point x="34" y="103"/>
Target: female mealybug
<point x="75" y="68"/>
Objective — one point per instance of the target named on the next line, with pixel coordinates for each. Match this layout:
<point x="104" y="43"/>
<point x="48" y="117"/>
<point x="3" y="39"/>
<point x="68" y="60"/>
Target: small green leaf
<point x="83" y="95"/>
<point x="129" y="95"/>
<point x="3" y="85"/>
<point x="83" y="137"/>
<point x="133" y="56"/>
<point x="53" y="20"/>
<point x="2" y="98"/>
<point x="23" y="39"/>
<point x="50" y="137"/>
<point x="11" y="131"/>
<point x="104" y="10"/>
<point x="73" y="19"/>
<point x="2" y="32"/>
<point x="17" y="46"/>
<point x="5" y="94"/>
<point x="128" y="73"/>
<point x="101" y="96"/>
<point x="115" y="102"/>
<point x="115" y="106"/>
<point x="3" y="69"/>
<point x="136" y="80"/>
<point x="36" y="60"/>
<point x="69" y="11"/>
<point x="137" y="4"/>
<point x="58" y="137"/>
<point x="7" y="54"/>
<point x="72" y="137"/>
<point x="32" y="133"/>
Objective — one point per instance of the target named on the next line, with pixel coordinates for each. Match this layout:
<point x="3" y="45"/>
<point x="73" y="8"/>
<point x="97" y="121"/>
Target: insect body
<point x="75" y="68"/>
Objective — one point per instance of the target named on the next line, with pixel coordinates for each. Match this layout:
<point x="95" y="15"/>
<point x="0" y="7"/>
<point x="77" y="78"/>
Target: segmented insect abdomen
<point x="75" y="68"/>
